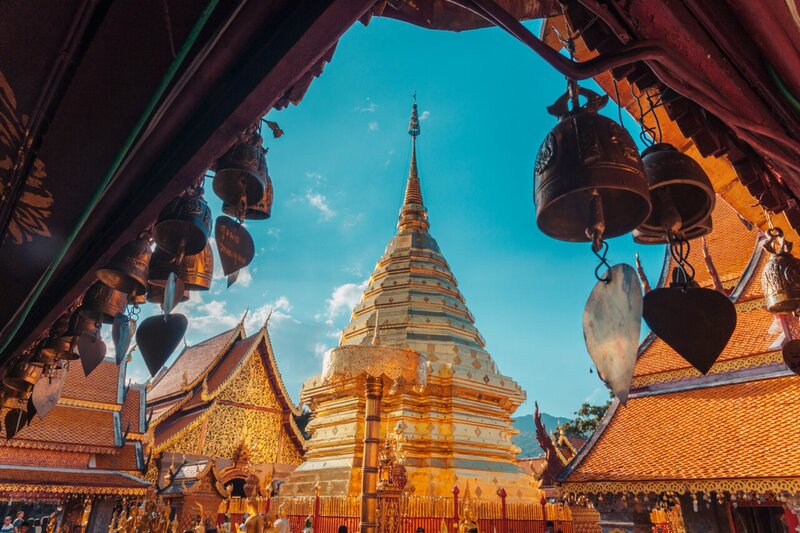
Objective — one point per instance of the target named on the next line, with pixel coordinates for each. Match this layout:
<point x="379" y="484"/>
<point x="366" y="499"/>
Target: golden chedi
<point x="412" y="347"/>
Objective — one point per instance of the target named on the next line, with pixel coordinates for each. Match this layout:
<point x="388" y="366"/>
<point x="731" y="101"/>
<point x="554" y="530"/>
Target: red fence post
<point x="455" y="508"/>
<point x="503" y="517"/>
<point x="543" y="503"/>
<point x="316" y="508"/>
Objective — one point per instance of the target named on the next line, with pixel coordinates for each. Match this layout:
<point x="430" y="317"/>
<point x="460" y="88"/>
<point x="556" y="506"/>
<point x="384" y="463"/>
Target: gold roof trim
<point x="91" y="405"/>
<point x="73" y="489"/>
<point x="732" y="486"/>
<point x="721" y="367"/>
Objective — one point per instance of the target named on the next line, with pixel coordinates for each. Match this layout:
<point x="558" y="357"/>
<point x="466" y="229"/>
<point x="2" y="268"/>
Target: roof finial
<point x="376" y="336"/>
<point x="413" y="213"/>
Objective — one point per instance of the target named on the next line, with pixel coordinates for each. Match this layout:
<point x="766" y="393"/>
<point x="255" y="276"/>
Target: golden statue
<point x="254" y="522"/>
<point x="468" y="524"/>
<point x="281" y="525"/>
<point x="133" y="519"/>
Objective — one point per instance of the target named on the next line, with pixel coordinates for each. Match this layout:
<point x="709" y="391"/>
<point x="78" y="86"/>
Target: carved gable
<point x="250" y="385"/>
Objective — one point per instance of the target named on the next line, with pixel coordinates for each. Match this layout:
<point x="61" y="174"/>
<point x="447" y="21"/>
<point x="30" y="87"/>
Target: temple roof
<point x="193" y="364"/>
<point x="415" y="297"/>
<point x="27" y="480"/>
<point x="225" y="357"/>
<point x="732" y="429"/>
<point x="737" y="433"/>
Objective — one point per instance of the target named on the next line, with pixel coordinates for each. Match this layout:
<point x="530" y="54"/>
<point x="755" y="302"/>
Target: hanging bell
<point x="241" y="173"/>
<point x="101" y="303"/>
<point x="258" y="211"/>
<point x="57" y="342"/>
<point x="780" y="278"/>
<point x="161" y="265"/>
<point x="196" y="271"/>
<point x="184" y="224"/>
<point x="681" y="193"/>
<point x="127" y="269"/>
<point x="155" y="295"/>
<point x="589" y="179"/>
<point x="24" y="376"/>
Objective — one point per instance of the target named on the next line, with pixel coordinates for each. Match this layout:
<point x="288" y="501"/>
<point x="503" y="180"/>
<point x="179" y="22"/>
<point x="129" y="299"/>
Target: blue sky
<point x="339" y="174"/>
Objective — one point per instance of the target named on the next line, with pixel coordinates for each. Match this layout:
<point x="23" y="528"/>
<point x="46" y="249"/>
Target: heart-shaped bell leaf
<point x="612" y="322"/>
<point x="30" y="411"/>
<point x="173" y="292"/>
<point x="235" y="245"/>
<point x="158" y="337"/>
<point x="14" y="421"/>
<point x="47" y="392"/>
<point x="92" y="351"/>
<point x="232" y="278"/>
<point x="791" y="355"/>
<point x="122" y="333"/>
<point x="695" y="322"/>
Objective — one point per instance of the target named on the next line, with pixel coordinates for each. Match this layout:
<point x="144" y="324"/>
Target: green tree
<point x="587" y="418"/>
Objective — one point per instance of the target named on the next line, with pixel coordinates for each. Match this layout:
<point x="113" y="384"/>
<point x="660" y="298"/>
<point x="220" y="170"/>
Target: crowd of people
<point x="19" y="524"/>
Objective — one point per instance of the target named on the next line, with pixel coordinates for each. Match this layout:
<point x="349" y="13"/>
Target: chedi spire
<point x="413" y="214"/>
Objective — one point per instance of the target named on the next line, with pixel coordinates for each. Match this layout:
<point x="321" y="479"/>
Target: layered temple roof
<point x="89" y="443"/>
<point x="733" y="429"/>
<point x="221" y="391"/>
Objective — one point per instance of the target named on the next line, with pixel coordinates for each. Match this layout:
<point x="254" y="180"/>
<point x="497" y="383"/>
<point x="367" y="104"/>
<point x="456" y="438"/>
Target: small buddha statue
<point x="254" y="522"/>
<point x="468" y="524"/>
<point x="281" y="525"/>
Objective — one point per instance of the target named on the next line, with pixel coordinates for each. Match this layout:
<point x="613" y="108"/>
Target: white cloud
<point x="315" y="176"/>
<point x="424" y="116"/>
<point x="321" y="350"/>
<point x="373" y="126"/>
<point x="371" y="107"/>
<point x="351" y="220"/>
<point x="281" y="312"/>
<point x="320" y="202"/>
<point x="245" y="278"/>
<point x="344" y="298"/>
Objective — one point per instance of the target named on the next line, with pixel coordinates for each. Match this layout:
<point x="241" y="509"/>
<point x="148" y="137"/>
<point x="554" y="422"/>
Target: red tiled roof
<point x="69" y="480"/>
<point x="67" y="427"/>
<point x="131" y="411"/>
<point x="190" y="364"/>
<point x="751" y="337"/>
<point x="125" y="459"/>
<point x="744" y="430"/>
<point x="100" y="386"/>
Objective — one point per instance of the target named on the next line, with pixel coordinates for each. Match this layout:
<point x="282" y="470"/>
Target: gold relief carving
<point x="288" y="452"/>
<point x="229" y="425"/>
<point x="732" y="486"/>
<point x="349" y="362"/>
<point x="73" y="489"/>
<point x="187" y="440"/>
<point x="721" y="367"/>
<point x="33" y="208"/>
<point x="751" y="305"/>
<point x="250" y="385"/>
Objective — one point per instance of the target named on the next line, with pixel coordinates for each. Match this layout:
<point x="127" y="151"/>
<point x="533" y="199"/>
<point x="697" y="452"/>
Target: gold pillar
<point x="369" y="466"/>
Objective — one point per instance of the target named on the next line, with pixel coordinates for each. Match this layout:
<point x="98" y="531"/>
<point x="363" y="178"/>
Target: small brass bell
<point x="102" y="303"/>
<point x="259" y="211"/>
<point x="127" y="269"/>
<point x="155" y="294"/>
<point x="241" y="173"/>
<point x="781" y="276"/>
<point x="196" y="271"/>
<point x="161" y="265"/>
<point x="58" y="345"/>
<point x="681" y="193"/>
<point x="589" y="179"/>
<point x="79" y="323"/>
<point x="184" y="225"/>
<point x="24" y="376"/>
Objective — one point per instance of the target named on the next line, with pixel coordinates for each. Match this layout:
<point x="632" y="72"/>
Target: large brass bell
<point x="184" y="224"/>
<point x="681" y="193"/>
<point x="24" y="376"/>
<point x="241" y="172"/>
<point x="589" y="179"/>
<point x="58" y="345"/>
<point x="258" y="211"/>
<point x="102" y="303"/>
<point x="196" y="271"/>
<point x="780" y="278"/>
<point x="127" y="269"/>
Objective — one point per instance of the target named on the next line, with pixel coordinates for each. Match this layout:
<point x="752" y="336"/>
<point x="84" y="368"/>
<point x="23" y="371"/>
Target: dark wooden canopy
<point x="110" y="108"/>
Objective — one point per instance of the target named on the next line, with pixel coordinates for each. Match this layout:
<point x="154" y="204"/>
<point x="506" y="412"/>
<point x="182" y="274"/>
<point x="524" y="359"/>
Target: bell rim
<point x="134" y="286"/>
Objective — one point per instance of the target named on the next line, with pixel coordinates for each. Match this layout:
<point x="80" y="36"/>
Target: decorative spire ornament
<point x="413" y="213"/>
